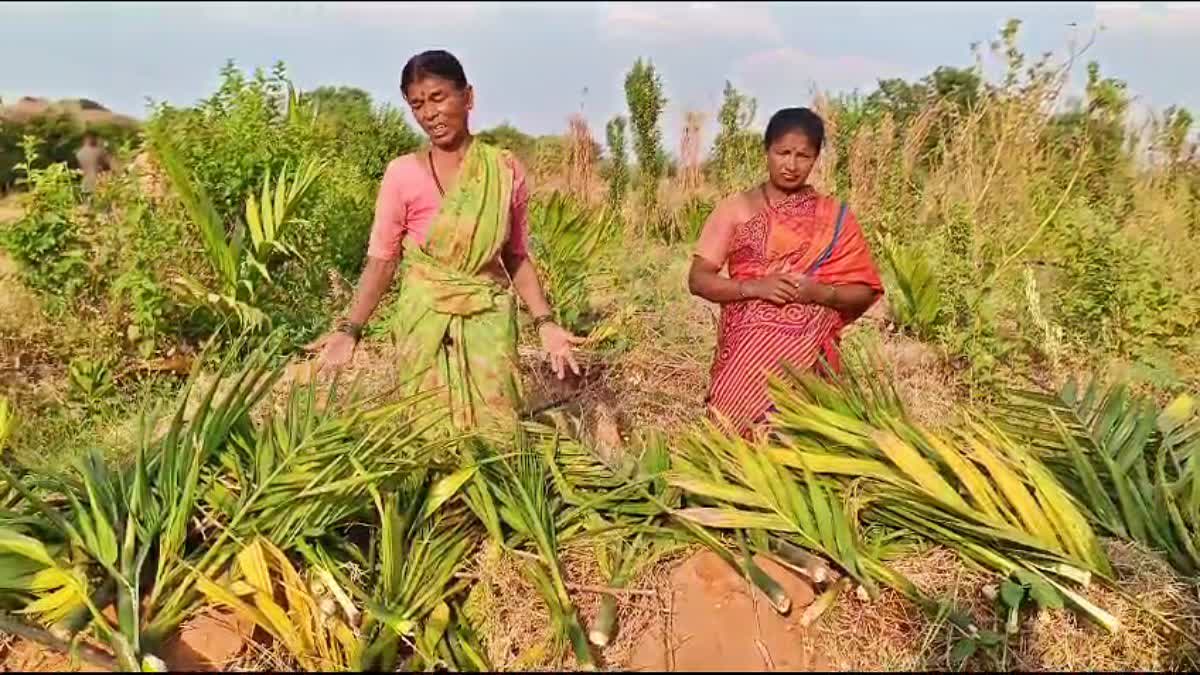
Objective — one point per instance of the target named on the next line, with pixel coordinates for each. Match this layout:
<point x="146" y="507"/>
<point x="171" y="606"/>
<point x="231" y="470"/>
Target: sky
<point x="535" y="64"/>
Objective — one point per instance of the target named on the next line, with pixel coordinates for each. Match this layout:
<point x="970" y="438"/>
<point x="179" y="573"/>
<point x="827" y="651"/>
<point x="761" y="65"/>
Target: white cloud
<point x="684" y="21"/>
<point x="439" y="15"/>
<point x="1170" y="19"/>
<point x="795" y="71"/>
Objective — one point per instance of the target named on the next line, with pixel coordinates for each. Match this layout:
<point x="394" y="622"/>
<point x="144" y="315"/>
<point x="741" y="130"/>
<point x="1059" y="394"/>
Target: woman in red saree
<point x="799" y="272"/>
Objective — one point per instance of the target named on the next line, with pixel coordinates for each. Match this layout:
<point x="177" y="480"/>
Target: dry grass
<point x="512" y="620"/>
<point x="580" y="159"/>
<point x="661" y="375"/>
<point x="12" y="207"/>
<point x="892" y="634"/>
<point x="823" y="173"/>
<point x="689" y="178"/>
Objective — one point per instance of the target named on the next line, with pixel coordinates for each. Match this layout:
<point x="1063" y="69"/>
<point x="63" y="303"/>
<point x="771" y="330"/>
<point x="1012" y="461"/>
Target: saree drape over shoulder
<point x="455" y="328"/>
<point x="806" y="233"/>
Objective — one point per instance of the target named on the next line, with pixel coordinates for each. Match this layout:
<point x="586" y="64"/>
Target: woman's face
<point x="441" y="109"/>
<point x="790" y="159"/>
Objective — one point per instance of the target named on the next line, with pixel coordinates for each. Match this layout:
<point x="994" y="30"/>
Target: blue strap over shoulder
<point x="837" y="233"/>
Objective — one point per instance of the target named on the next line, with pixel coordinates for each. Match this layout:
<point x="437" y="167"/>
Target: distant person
<point x="93" y="160"/>
<point x="457" y="213"/>
<point x="799" y="272"/>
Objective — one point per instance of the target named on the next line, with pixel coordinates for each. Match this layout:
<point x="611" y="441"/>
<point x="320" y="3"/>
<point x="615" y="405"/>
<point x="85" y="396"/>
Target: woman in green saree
<point x="457" y="213"/>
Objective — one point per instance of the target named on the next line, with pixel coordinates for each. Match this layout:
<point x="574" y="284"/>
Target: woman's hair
<point x="803" y="120"/>
<point x="435" y="62"/>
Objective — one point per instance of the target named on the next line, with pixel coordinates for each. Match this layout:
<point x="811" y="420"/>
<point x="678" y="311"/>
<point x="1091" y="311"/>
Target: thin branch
<point x="1049" y="218"/>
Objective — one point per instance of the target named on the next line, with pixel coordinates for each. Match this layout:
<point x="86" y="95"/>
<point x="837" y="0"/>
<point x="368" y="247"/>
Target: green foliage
<point x="45" y="241"/>
<point x="565" y="237"/>
<point x="60" y="134"/>
<point x="510" y="138"/>
<point x="91" y="381"/>
<point x="240" y="268"/>
<point x="692" y="217"/>
<point x="1134" y="465"/>
<point x="737" y="151"/>
<point x="618" y="165"/>
<point x="962" y="88"/>
<point x="913" y="291"/>
<point x="645" y="99"/>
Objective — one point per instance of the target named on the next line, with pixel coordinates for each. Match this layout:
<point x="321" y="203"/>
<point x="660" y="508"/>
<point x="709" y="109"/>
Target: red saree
<point x="808" y="233"/>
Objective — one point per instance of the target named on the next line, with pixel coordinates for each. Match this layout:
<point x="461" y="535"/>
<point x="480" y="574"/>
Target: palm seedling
<point x="917" y="304"/>
<point x="131" y="524"/>
<point x="566" y="237"/>
<point x="280" y="600"/>
<point x="410" y="574"/>
<point x="240" y="268"/>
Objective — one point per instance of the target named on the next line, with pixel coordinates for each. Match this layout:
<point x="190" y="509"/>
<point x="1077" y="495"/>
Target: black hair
<point x="435" y="62"/>
<point x="803" y="120"/>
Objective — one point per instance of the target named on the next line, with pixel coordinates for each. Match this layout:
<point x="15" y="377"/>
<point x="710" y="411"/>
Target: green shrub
<point x="60" y="134"/>
<point x="45" y="241"/>
<point x="565" y="238"/>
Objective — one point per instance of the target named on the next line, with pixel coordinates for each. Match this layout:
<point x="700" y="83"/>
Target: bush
<point x="60" y="134"/>
<point x="45" y="241"/>
<point x="256" y="125"/>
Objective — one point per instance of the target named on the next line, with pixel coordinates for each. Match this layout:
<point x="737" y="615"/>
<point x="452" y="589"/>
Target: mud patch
<point x="717" y="623"/>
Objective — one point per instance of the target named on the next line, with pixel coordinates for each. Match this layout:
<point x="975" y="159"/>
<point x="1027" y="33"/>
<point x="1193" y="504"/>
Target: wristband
<point x="539" y="321"/>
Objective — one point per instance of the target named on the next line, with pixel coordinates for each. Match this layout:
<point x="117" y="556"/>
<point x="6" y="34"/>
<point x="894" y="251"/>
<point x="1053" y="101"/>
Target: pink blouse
<point x="409" y="199"/>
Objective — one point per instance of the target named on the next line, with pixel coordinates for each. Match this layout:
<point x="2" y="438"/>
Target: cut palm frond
<point x="514" y="493"/>
<point x="1134" y="467"/>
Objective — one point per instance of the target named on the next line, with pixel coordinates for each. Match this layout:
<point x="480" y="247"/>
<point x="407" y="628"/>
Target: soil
<point x="718" y="624"/>
<point x="209" y="642"/>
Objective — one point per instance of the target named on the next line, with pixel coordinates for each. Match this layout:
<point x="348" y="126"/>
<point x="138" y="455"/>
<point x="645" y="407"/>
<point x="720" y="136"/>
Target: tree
<point x="961" y="87"/>
<point x="644" y="96"/>
<point x="735" y="163"/>
<point x="507" y="136"/>
<point x="340" y="102"/>
<point x="618" y="178"/>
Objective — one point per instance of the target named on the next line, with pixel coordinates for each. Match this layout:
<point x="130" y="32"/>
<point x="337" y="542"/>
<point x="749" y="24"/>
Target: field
<point x="1007" y="475"/>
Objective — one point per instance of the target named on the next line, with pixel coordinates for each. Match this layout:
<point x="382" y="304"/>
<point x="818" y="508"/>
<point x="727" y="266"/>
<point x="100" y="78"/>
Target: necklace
<point x="433" y="170"/>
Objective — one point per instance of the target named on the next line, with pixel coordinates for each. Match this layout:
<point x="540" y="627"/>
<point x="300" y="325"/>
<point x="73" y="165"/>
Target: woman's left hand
<point x="558" y="342"/>
<point x="809" y="290"/>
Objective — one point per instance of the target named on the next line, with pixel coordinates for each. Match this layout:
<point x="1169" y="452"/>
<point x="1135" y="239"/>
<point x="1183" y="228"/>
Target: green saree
<point x="456" y="330"/>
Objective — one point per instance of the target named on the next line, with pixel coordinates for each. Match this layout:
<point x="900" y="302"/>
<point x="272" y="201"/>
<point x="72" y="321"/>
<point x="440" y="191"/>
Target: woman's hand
<point x="557" y="343"/>
<point x="783" y="289"/>
<point x="336" y="349"/>
<point x="777" y="289"/>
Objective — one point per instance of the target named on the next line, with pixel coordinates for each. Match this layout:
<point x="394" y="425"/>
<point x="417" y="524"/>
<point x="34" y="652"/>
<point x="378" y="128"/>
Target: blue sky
<point x="531" y="63"/>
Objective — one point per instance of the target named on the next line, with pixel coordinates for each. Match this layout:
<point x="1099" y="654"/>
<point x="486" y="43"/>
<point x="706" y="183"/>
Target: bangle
<point x="539" y="321"/>
<point x="350" y="328"/>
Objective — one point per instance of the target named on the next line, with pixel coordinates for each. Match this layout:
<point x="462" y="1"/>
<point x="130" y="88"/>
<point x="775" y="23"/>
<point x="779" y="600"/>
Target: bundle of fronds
<point x="843" y="455"/>
<point x="146" y="534"/>
<point x="1133" y="465"/>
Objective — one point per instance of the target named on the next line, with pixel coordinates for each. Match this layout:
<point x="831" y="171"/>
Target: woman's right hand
<point x="336" y="349"/>
<point x="777" y="289"/>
